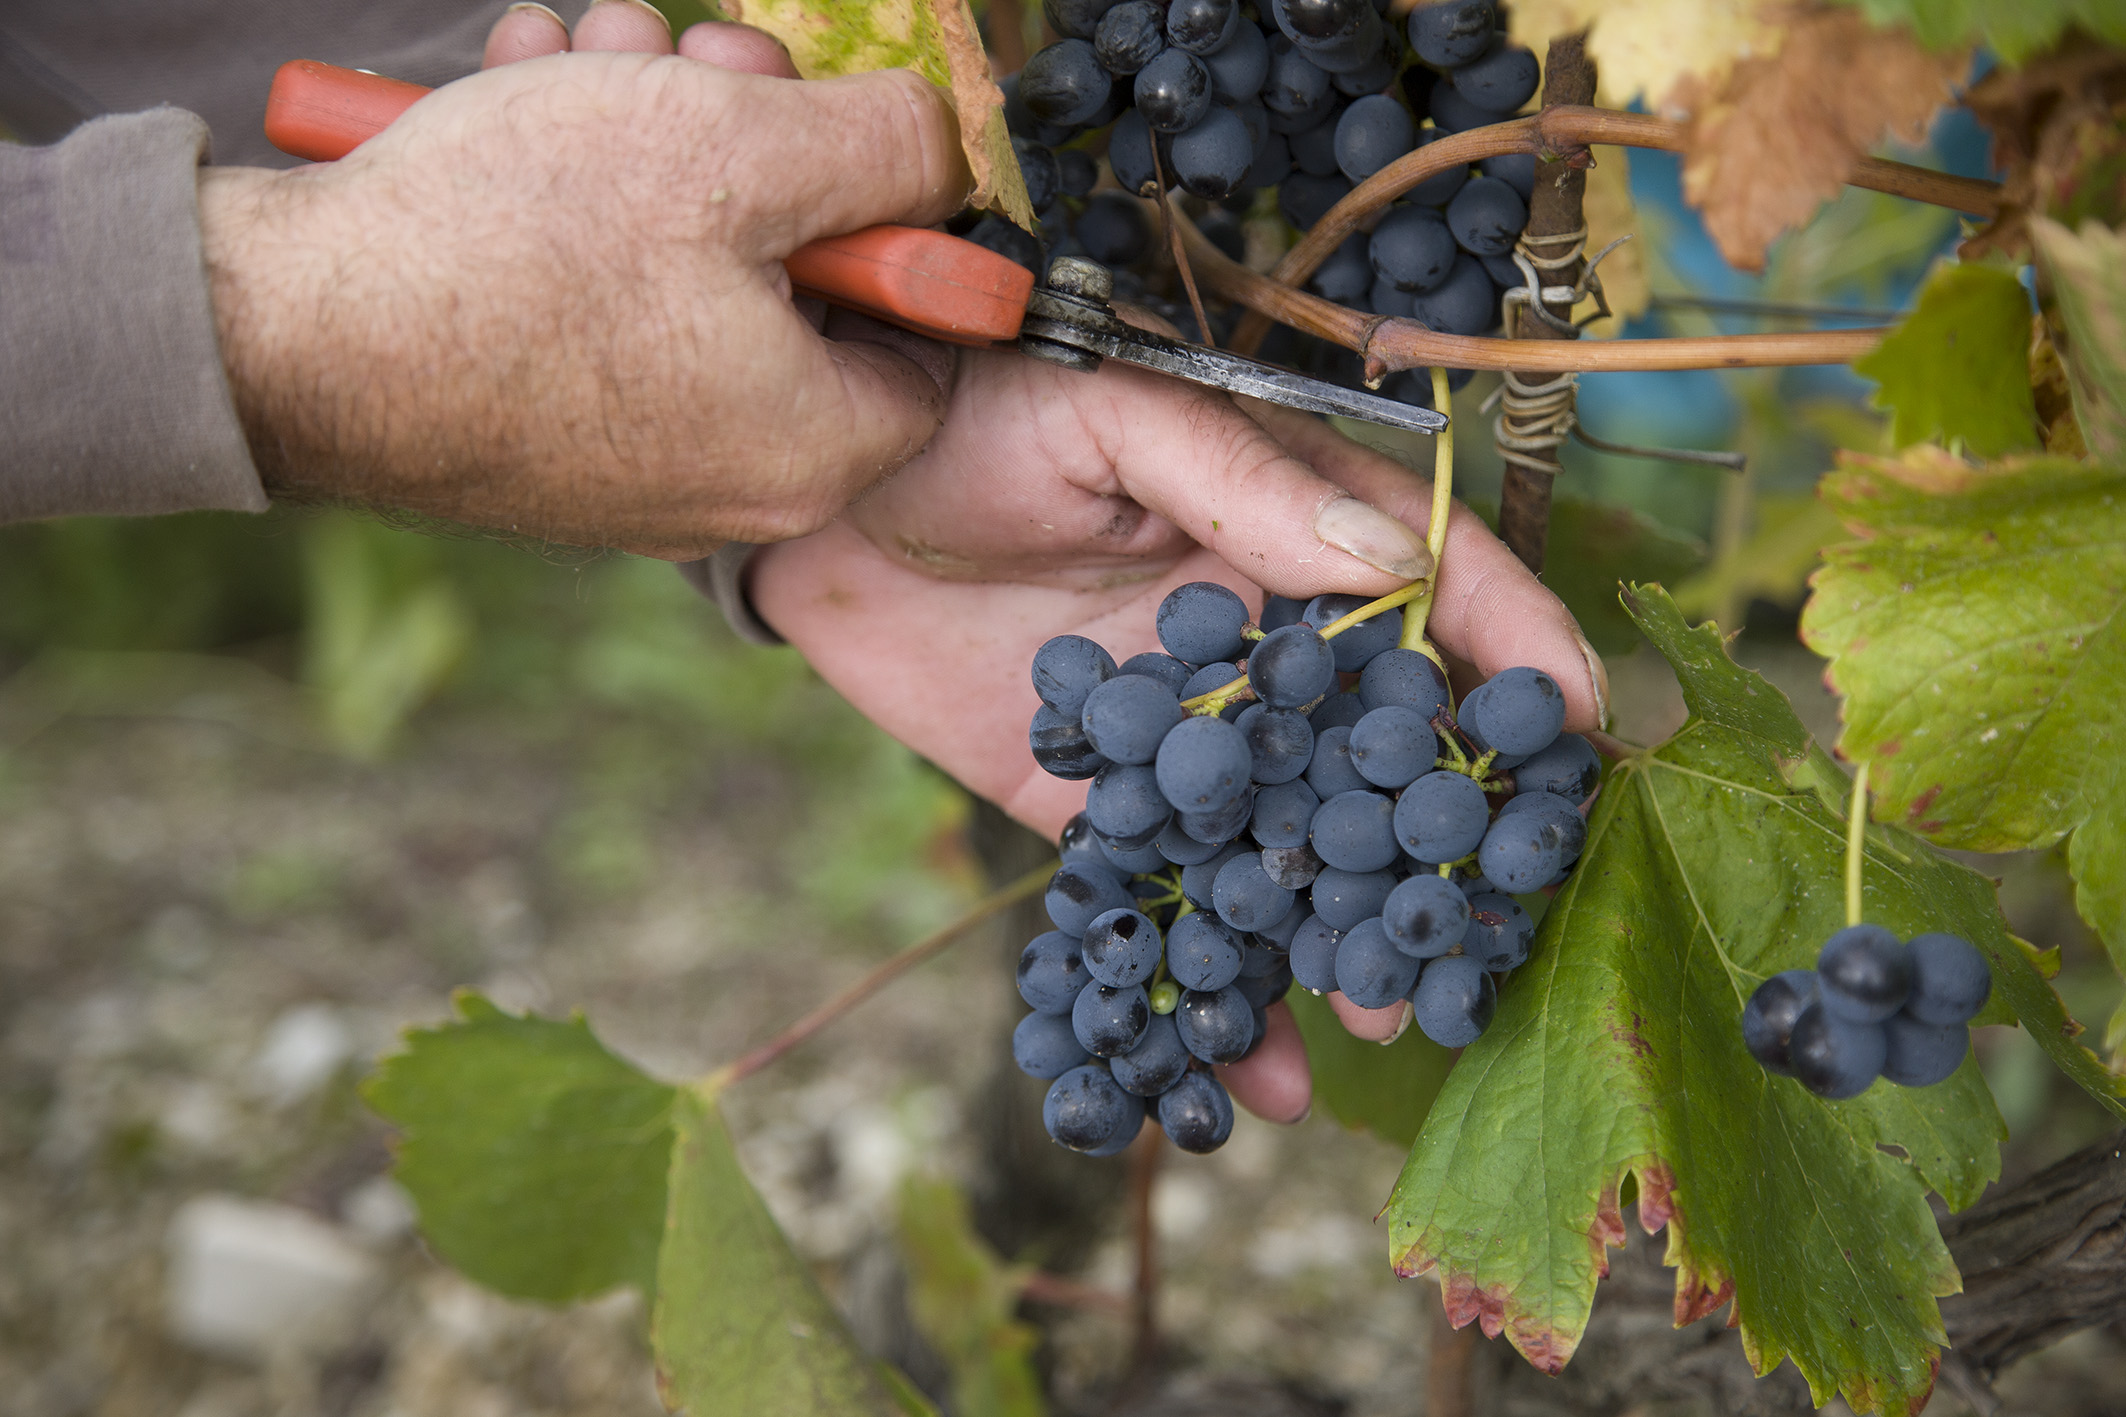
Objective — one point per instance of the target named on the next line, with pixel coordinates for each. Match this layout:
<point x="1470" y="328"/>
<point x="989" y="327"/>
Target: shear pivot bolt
<point x="1088" y="280"/>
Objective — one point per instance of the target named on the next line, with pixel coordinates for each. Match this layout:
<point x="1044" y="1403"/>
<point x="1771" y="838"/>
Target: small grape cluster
<point x="1305" y="98"/>
<point x="1874" y="1006"/>
<point x="1271" y="804"/>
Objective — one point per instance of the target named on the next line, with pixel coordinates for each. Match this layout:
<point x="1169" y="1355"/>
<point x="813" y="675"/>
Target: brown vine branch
<point x="935" y="943"/>
<point x="1041" y="1287"/>
<point x="1538" y="411"/>
<point x="1553" y="133"/>
<point x="1144" y="1158"/>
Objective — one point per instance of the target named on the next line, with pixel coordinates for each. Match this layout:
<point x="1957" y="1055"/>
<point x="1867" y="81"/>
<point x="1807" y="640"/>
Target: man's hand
<point x="1054" y="502"/>
<point x="549" y="299"/>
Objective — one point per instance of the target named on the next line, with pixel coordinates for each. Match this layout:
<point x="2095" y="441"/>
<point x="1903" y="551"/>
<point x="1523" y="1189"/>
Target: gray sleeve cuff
<point x="721" y="578"/>
<point x="112" y="394"/>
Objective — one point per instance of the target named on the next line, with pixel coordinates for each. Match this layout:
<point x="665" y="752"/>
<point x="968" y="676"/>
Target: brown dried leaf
<point x="2059" y="137"/>
<point x="1776" y="139"/>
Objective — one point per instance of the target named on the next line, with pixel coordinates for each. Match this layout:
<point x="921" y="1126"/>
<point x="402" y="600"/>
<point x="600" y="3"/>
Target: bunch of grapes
<point x="1271" y="805"/>
<point x="1301" y="99"/>
<point x="1874" y="1006"/>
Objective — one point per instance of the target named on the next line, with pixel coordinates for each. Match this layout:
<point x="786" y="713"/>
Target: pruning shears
<point x="926" y="281"/>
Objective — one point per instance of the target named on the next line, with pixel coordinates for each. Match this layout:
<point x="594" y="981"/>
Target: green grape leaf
<point x="937" y="39"/>
<point x="1594" y="547"/>
<point x="1385" y="1091"/>
<point x="1975" y="632"/>
<point x="1617" y="1053"/>
<point x="2013" y="29"/>
<point x="741" y="1326"/>
<point x="964" y="1300"/>
<point x="1959" y="365"/>
<point x="2087" y="274"/>
<point x="537" y="1158"/>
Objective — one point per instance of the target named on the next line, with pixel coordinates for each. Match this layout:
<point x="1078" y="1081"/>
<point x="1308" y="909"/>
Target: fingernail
<point x="639" y="4"/>
<point x="1308" y="1112"/>
<point x="1373" y="537"/>
<point x="1597" y="675"/>
<point x="542" y="9"/>
<point x="1409" y="1013"/>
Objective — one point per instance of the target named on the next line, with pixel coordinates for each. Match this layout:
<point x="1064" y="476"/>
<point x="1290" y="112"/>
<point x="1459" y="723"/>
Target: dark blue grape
<point x="1385" y="299"/>
<point x="1865" y="974"/>
<point x="1019" y="119"/>
<point x="1196" y="1114"/>
<point x="1114" y="229"/>
<point x="1201" y="622"/>
<point x="1173" y="92"/>
<point x="1370" y="971"/>
<point x="1279" y="611"/>
<point x="1368" y="78"/>
<point x="1212" y="159"/>
<point x="1516" y="170"/>
<point x="1077" y="172"/>
<point x="1263" y="990"/>
<point x="1044" y="1046"/>
<point x="1568" y="768"/>
<point x="1332" y="772"/>
<point x="1339" y="710"/>
<point x="1064" y="83"/>
<point x="1202" y="26"/>
<point x="1505" y="275"/>
<point x="1075" y="18"/>
<point x="1121" y="947"/>
<point x="1441" y="817"/>
<point x="1393" y="746"/>
<point x="1215" y="1024"/>
<point x="1245" y="897"/>
<point x="1273" y="162"/>
<point x="1203" y="764"/>
<point x="1221" y="824"/>
<point x="1134" y="861"/>
<point x="1347" y="275"/>
<point x="1109" y="1020"/>
<point x="1201" y="952"/>
<point x="1373" y="132"/>
<point x="1120" y="1139"/>
<point x="1412" y="249"/>
<point x="1426" y="916"/>
<point x="1499" y="931"/>
<point x="1501" y="79"/>
<point x="1356" y="646"/>
<point x="1343" y="898"/>
<point x="1305" y="199"/>
<point x="1314" y="149"/>
<point x="1452" y="113"/>
<point x="1917" y="1054"/>
<point x="1295" y="87"/>
<point x="1085" y="1107"/>
<point x="1066" y="669"/>
<point x="1291" y="668"/>
<point x="1440" y="188"/>
<point x="1522" y="852"/>
<point x="1403" y="677"/>
<point x="1768" y="1017"/>
<point x="1520" y="711"/>
<point x="1163" y="667"/>
<point x="1078" y="843"/>
<point x="1450" y="33"/>
<point x="1199" y="881"/>
<point x="1155" y="1064"/>
<point x="1561" y="814"/>
<point x="1129" y="37"/>
<point x="1355" y="831"/>
<point x="1274" y="938"/>
<point x="1280" y="743"/>
<point x="1293" y="867"/>
<point x="1080" y="892"/>
<point x="1044" y="180"/>
<point x="1454" y="1001"/>
<point x="1318" y="20"/>
<point x="1128" y="717"/>
<point x="1465" y="303"/>
<point x="1052" y="972"/>
<point x="1059" y="745"/>
<point x="1832" y="1057"/>
<point x="1211" y="678"/>
<point x="1178" y="847"/>
<point x="1239" y="67"/>
<point x="1129" y="154"/>
<point x="1486" y="217"/>
<point x="1124" y="805"/>
<point x="1313" y="956"/>
<point x="1950" y="981"/>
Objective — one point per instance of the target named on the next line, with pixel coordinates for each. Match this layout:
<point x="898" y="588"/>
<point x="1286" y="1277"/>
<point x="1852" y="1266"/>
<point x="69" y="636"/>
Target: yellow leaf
<point x="1644" y="48"/>
<point x="937" y="39"/>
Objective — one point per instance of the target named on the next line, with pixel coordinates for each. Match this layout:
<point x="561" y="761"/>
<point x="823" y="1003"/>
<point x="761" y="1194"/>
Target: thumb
<point x="1194" y="458"/>
<point x="836" y="155"/>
